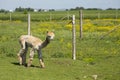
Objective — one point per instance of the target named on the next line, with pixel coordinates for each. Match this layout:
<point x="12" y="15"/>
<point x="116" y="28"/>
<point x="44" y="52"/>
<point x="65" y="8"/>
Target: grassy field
<point x="62" y="15"/>
<point x="94" y="56"/>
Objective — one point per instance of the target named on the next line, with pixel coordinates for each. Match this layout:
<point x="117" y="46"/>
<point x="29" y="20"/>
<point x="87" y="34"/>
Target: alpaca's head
<point x="50" y="35"/>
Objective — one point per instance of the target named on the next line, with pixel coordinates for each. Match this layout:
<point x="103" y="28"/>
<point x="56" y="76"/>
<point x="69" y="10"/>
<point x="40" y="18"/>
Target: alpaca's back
<point x="30" y="40"/>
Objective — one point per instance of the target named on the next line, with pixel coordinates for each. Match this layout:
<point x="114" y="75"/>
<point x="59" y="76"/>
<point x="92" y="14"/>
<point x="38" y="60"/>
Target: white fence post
<point x="73" y="38"/>
<point x="28" y="24"/>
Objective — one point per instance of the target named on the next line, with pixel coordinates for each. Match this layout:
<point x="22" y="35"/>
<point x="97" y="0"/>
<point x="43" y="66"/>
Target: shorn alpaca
<point x="36" y="45"/>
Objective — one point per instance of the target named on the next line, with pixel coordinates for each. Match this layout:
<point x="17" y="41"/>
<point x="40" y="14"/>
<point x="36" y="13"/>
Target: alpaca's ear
<point x="47" y="31"/>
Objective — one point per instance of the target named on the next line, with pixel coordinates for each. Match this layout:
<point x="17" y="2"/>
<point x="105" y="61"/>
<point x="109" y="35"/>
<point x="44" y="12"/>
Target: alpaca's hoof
<point x="20" y="63"/>
<point x="42" y="66"/>
<point x="28" y="65"/>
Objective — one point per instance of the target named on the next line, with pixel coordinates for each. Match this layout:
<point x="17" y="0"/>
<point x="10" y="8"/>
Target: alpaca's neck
<point x="46" y="42"/>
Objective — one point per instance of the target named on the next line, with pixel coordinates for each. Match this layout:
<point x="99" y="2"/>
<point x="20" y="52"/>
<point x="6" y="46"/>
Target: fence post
<point x="73" y="38"/>
<point x="81" y="22"/>
<point x="28" y="24"/>
<point x="50" y="17"/>
<point x="116" y="14"/>
<point x="68" y="15"/>
<point x="10" y="16"/>
<point x="98" y="15"/>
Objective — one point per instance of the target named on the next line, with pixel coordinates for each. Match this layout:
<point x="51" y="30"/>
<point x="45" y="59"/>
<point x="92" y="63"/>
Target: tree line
<point x="25" y="10"/>
<point x="79" y="8"/>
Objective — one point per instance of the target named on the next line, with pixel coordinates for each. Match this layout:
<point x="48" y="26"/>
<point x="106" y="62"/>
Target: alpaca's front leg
<point x="41" y="59"/>
<point x="31" y="57"/>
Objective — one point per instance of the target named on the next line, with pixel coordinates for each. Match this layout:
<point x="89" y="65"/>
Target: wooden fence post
<point x="50" y="17"/>
<point x="10" y="16"/>
<point x="28" y="24"/>
<point x="116" y="14"/>
<point x="98" y="15"/>
<point x="73" y="38"/>
<point x="68" y="16"/>
<point x="81" y="22"/>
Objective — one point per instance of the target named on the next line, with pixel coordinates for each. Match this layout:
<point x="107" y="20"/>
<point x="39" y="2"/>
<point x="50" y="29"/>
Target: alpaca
<point x="36" y="45"/>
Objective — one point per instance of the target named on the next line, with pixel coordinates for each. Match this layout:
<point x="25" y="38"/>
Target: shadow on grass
<point x="17" y="64"/>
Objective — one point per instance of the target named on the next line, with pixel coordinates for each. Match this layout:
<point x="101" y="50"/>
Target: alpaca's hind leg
<point x="20" y="54"/>
<point x="24" y="56"/>
<point x="31" y="57"/>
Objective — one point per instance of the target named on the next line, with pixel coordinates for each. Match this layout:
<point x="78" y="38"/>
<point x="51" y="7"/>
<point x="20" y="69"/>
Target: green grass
<point x="61" y="68"/>
<point x="94" y="56"/>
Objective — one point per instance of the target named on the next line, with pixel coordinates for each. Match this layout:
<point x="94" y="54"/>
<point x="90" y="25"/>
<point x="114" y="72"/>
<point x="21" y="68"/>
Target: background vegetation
<point x="60" y="15"/>
<point x="95" y="56"/>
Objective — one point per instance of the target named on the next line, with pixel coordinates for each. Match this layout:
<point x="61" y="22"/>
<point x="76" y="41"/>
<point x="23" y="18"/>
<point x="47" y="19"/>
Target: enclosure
<point x="94" y="55"/>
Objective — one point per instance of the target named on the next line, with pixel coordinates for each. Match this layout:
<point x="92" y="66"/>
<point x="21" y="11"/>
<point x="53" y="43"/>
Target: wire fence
<point x="93" y="28"/>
